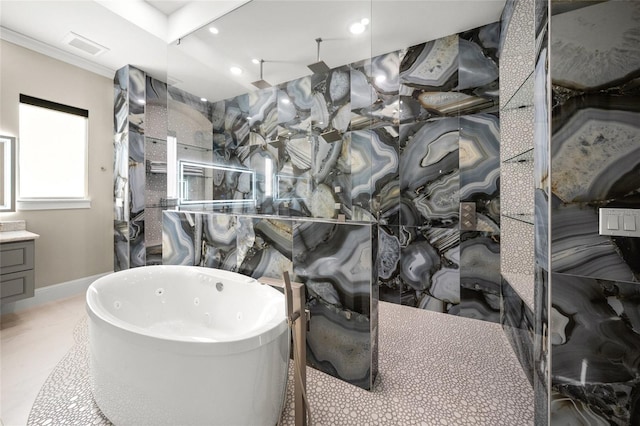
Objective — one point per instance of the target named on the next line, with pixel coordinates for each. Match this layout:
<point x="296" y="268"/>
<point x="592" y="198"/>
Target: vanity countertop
<point x="12" y="236"/>
<point x="15" y="230"/>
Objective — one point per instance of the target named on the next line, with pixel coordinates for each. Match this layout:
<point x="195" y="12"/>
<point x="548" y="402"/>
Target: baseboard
<point x="51" y="293"/>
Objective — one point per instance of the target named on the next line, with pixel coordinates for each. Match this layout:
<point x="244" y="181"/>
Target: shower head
<point x="319" y="67"/>
<point x="261" y="84"/>
<point x="331" y="136"/>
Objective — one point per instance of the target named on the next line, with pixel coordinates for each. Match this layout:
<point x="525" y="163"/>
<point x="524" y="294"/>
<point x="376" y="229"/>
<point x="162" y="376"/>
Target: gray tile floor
<point x="435" y="369"/>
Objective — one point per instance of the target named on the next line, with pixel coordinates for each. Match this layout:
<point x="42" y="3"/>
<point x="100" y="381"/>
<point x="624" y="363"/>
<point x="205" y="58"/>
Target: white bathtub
<point x="185" y="345"/>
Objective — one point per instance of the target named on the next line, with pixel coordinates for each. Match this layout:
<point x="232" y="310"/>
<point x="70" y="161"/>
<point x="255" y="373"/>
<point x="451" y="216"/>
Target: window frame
<point x="62" y="202"/>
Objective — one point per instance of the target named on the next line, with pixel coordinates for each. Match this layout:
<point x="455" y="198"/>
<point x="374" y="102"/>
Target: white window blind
<point x="52" y="155"/>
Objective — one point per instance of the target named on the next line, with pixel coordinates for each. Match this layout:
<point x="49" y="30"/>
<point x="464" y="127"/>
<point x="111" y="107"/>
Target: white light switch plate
<point x="620" y="222"/>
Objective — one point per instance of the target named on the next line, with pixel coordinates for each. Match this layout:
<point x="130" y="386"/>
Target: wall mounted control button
<point x="629" y="223"/>
<point x="619" y="222"/>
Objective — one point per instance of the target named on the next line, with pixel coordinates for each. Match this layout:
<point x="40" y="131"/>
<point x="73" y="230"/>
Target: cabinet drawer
<point x="16" y="286"/>
<point x="17" y="256"/>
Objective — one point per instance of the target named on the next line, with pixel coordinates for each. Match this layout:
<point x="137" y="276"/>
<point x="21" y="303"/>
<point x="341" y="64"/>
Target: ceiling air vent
<point x="82" y="43"/>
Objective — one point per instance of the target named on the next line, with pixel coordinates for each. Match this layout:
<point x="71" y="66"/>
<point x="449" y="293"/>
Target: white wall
<point x="73" y="243"/>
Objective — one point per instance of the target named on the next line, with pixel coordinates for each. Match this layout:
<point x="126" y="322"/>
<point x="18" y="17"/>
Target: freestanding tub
<point x="186" y="345"/>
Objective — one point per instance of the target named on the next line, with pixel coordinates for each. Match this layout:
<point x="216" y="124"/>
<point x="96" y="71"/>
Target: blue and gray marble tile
<point x="265" y="247"/>
<point x="137" y="249"/>
<point x="478" y="73"/>
<point x="595" y="339"/>
<point x="517" y="320"/>
<point x="593" y="62"/>
<point x="541" y="364"/>
<point x="342" y="297"/>
<point x="578" y="249"/>
<point x="263" y="116"/>
<point x="375" y="92"/>
<point x="419" y="267"/>
<point x="339" y="296"/>
<point x="480" y="277"/>
<point x="374" y="172"/>
<point x="428" y="77"/>
<point x="429" y="173"/>
<point x="136" y="98"/>
<point x="120" y="245"/>
<point x="430" y="65"/>
<point x="480" y="168"/>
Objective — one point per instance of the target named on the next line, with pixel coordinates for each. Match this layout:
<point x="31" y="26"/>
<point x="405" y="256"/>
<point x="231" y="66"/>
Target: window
<point x="52" y="155"/>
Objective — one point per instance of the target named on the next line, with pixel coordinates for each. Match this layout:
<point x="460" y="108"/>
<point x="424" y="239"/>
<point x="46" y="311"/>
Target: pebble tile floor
<point x="435" y="369"/>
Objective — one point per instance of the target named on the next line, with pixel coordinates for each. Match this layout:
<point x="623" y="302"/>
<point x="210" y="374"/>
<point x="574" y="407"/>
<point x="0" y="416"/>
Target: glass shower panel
<point x="263" y="101"/>
<point x="276" y="97"/>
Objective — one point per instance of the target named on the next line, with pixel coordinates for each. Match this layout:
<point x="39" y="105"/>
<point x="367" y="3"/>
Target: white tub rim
<point x="272" y="329"/>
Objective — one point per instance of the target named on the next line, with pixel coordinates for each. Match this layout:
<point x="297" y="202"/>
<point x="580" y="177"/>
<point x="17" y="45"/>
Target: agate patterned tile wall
<point x="595" y="156"/>
<point x="334" y="260"/>
<point x="121" y="171"/>
<point x="298" y="131"/>
<point x="595" y="149"/>
<point x="129" y="168"/>
<point x="591" y="384"/>
<point x="379" y="141"/>
<point x="374" y="138"/>
<point x="395" y="156"/>
<point x="446" y="86"/>
<point x="141" y="118"/>
<point x="517" y="319"/>
<point x="479" y="171"/>
<point x="420" y="267"/>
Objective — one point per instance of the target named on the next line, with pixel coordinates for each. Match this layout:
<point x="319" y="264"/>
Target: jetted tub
<point x="186" y="345"/>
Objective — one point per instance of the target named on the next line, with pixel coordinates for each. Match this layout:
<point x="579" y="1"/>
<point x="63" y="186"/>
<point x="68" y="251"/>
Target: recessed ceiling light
<point x="235" y="70"/>
<point x="255" y="61"/>
<point x="356" y="28"/>
<point x="214" y="30"/>
<point x="359" y="27"/>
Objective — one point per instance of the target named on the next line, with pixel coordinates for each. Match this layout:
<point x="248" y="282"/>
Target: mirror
<point x="198" y="179"/>
<point x="7" y="177"/>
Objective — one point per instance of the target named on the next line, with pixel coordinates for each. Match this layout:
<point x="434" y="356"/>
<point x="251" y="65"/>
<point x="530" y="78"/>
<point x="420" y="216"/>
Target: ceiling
<point x="167" y="6"/>
<point x="171" y="41"/>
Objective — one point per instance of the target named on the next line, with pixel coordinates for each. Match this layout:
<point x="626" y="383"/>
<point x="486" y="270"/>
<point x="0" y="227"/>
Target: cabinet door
<point x="17" y="256"/>
<point x="16" y="286"/>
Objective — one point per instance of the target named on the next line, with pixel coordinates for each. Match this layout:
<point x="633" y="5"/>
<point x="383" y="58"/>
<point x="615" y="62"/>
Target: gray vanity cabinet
<point x="17" y="278"/>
